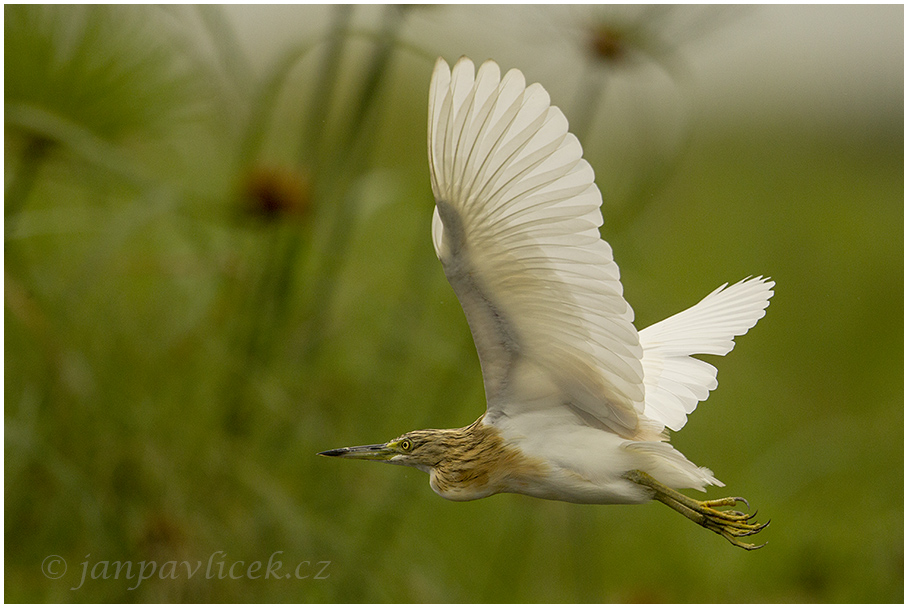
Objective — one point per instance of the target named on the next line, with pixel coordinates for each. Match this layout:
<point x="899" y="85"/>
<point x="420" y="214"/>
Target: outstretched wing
<point x="674" y="382"/>
<point x="516" y="228"/>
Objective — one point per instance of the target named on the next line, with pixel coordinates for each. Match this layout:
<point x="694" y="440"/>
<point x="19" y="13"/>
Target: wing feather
<point x="674" y="382"/>
<point x="516" y="228"/>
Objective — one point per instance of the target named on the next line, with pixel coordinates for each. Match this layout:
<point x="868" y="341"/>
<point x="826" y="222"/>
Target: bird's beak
<point x="371" y="452"/>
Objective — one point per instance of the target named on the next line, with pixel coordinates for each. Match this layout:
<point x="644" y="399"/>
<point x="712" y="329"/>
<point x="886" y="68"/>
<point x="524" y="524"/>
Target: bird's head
<point x="463" y="464"/>
<point x="423" y="449"/>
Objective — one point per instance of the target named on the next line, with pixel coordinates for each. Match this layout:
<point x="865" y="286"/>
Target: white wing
<point x="674" y="383"/>
<point x="516" y="228"/>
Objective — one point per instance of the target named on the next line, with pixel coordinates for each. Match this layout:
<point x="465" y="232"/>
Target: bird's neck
<point x="479" y="462"/>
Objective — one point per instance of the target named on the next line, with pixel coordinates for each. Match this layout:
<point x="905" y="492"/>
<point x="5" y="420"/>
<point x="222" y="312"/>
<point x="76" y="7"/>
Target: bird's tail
<point x="669" y="466"/>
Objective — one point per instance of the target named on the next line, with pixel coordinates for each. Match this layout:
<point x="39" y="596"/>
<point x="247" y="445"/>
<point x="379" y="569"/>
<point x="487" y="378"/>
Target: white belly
<point x="587" y="465"/>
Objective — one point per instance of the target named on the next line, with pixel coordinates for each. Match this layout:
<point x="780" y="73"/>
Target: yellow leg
<point x="731" y="524"/>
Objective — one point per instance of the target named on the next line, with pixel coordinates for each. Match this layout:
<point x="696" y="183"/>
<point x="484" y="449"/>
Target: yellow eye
<point x="405" y="445"/>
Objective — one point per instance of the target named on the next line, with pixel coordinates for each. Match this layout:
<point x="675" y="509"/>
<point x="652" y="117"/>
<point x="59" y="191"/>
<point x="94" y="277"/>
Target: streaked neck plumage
<point x="475" y="461"/>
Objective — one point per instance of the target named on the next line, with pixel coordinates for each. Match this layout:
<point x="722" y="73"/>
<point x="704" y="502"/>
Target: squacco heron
<point x="577" y="400"/>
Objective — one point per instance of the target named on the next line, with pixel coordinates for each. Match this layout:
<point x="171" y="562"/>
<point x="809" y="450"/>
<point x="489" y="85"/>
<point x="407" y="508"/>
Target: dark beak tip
<point x="331" y="453"/>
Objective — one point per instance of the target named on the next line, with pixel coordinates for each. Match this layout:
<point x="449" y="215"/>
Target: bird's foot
<point x="731" y="524"/>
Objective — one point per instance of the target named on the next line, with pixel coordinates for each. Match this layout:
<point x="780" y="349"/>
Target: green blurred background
<point x="218" y="263"/>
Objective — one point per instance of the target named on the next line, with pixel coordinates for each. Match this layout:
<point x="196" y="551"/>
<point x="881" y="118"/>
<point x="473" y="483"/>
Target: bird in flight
<point x="578" y="401"/>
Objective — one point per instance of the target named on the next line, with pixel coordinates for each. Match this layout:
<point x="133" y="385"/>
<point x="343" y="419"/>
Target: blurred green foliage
<point x="213" y="271"/>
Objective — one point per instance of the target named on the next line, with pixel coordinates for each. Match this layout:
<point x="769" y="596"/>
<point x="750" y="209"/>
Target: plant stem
<point x="589" y="96"/>
<point x="325" y="84"/>
<point x="393" y="20"/>
<point x="236" y="67"/>
<point x="20" y="185"/>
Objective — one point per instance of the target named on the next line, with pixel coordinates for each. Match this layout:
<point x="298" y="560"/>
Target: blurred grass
<point x="174" y="361"/>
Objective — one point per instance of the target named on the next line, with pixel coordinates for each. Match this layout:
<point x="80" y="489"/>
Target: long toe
<point x="732" y="526"/>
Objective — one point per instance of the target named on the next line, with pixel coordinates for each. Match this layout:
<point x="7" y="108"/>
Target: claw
<point x="731" y="524"/>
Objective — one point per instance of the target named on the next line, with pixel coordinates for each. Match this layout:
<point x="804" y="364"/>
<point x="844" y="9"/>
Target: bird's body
<point x="570" y="463"/>
<point x="578" y="401"/>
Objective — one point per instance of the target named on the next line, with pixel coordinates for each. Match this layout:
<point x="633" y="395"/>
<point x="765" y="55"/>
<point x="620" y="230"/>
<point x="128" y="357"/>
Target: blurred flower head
<point x="274" y="193"/>
<point x="120" y="72"/>
<point x="619" y="72"/>
<point x="627" y="34"/>
<point x="608" y="43"/>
